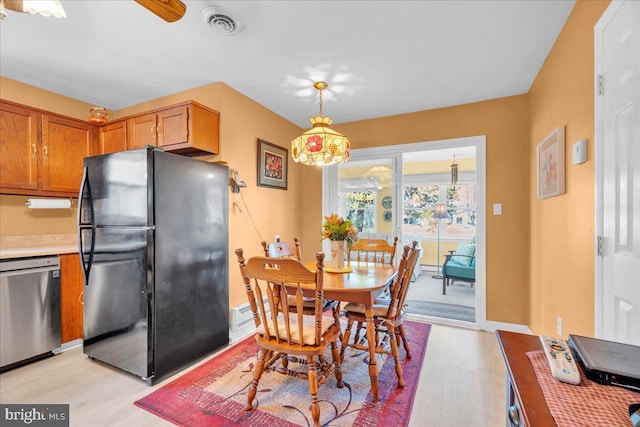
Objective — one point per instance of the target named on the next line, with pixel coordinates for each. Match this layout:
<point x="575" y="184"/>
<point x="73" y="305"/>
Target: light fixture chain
<point x="321" y="102"/>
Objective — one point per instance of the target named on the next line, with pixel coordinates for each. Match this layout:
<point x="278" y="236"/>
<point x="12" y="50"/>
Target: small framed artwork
<point x="550" y="155"/>
<point x="272" y="165"/>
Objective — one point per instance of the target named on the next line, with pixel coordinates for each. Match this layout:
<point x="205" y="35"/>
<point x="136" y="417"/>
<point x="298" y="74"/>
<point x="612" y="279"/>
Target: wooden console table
<point x="525" y="402"/>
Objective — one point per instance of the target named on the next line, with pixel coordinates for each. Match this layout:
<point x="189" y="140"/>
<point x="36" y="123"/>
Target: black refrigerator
<point x="153" y="241"/>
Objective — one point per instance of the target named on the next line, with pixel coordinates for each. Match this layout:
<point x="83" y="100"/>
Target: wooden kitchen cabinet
<point x="189" y="128"/>
<point x="42" y="153"/>
<point x="186" y="128"/>
<point x="142" y="131"/>
<point x="71" y="297"/>
<point x="113" y="137"/>
<point x="18" y="147"/>
<point x="65" y="144"/>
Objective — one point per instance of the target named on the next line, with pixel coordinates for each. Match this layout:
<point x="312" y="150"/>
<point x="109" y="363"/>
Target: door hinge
<point x="599" y="248"/>
<point x="599" y="84"/>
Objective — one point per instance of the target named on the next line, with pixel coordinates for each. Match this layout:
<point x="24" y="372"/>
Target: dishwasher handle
<point x="9" y="273"/>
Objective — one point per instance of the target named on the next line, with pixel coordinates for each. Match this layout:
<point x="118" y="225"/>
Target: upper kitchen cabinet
<point x="142" y="131"/>
<point x="19" y="146"/>
<point x="113" y="137"/>
<point x="41" y="153"/>
<point x="65" y="144"/>
<point x="187" y="128"/>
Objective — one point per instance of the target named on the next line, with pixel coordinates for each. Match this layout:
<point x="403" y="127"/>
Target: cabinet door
<point x="172" y="126"/>
<point x="142" y="131"/>
<point x="65" y="143"/>
<point x="113" y="137"/>
<point x="71" y="297"/>
<point x="18" y="147"/>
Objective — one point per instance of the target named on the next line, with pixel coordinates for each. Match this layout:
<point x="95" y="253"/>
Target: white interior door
<point x="618" y="131"/>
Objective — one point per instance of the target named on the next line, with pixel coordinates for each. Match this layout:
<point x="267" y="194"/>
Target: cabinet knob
<point x="153" y="128"/>
<point x="46" y="152"/>
<point x="81" y="298"/>
<point x="159" y="129"/>
<point x="35" y="150"/>
<point x="514" y="415"/>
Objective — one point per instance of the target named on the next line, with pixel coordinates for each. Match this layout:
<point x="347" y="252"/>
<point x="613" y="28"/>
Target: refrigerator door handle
<point x="86" y="261"/>
<point x="85" y="188"/>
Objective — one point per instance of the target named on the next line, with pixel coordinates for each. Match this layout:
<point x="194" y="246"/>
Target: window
<point x="359" y="208"/>
<point x="419" y="202"/>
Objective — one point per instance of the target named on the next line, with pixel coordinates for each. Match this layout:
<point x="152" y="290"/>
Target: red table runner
<point x="586" y="404"/>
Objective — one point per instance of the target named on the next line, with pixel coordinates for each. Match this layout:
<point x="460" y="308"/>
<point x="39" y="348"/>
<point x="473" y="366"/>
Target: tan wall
<point x="242" y="122"/>
<point x="504" y="121"/>
<point x="13" y="90"/>
<point x="562" y="227"/>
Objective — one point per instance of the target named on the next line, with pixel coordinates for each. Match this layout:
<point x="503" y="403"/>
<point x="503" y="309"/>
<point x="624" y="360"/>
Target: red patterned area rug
<point x="215" y="393"/>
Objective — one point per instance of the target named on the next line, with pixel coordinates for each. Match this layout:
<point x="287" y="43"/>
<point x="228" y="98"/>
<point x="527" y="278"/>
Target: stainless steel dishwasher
<point x="29" y="309"/>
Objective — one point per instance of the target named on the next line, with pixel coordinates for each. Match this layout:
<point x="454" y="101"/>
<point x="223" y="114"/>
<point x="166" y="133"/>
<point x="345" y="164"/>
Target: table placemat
<point x="586" y="404"/>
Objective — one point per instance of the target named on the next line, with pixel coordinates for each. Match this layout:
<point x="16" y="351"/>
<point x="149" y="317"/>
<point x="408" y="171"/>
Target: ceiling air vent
<point x="221" y="19"/>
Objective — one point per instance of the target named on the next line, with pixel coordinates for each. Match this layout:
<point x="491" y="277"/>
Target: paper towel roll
<point x="48" y="203"/>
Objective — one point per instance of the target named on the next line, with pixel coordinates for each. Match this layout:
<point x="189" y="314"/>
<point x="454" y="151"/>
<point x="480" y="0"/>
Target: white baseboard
<point x="241" y="333"/>
<point x="511" y="327"/>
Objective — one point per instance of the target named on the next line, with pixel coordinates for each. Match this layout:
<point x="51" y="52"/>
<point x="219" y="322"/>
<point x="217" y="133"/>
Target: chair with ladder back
<point x="388" y="315"/>
<point x="286" y="336"/>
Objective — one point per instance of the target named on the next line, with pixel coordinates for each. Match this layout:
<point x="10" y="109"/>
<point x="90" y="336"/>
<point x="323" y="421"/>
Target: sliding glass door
<point x="407" y="191"/>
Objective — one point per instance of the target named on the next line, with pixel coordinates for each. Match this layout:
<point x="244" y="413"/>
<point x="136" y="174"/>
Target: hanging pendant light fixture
<point x="454" y="171"/>
<point x="320" y="145"/>
<point x="41" y="7"/>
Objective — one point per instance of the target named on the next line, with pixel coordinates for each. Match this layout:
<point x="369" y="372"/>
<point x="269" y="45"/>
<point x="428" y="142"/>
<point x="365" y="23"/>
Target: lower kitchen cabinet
<point x="71" y="297"/>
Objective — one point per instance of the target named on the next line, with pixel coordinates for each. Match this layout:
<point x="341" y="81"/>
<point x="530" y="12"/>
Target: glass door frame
<point x="395" y="152"/>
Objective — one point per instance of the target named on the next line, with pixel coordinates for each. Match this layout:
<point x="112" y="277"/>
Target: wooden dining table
<point x="362" y="285"/>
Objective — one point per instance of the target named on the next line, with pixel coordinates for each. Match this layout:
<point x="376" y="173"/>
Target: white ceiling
<point x="380" y="58"/>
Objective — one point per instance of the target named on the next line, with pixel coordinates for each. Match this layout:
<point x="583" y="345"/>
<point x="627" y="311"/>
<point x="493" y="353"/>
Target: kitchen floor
<point x="462" y="383"/>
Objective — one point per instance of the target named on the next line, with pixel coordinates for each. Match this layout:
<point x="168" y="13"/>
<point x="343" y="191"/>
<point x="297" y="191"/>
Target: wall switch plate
<point x="497" y="208"/>
<point x="579" y="150"/>
<point x="559" y="326"/>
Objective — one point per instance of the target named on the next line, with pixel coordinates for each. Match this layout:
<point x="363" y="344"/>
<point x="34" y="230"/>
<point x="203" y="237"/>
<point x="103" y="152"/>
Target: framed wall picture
<point x="550" y="155"/>
<point x="272" y="165"/>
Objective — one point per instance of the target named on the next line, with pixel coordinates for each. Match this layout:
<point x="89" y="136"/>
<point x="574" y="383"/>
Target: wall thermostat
<point x="580" y="152"/>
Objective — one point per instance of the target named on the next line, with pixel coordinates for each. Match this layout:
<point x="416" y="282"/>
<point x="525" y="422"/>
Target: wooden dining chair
<point x="388" y="315"/>
<point x="373" y="250"/>
<point x="283" y="334"/>
<point x="284" y="250"/>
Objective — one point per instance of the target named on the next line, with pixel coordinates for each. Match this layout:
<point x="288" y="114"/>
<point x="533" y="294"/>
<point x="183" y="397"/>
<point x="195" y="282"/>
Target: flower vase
<point x="336" y="261"/>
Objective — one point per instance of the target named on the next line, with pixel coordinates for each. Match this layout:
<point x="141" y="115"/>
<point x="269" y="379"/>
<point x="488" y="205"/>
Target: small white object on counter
<point x="561" y="362"/>
<point x="48" y="203"/>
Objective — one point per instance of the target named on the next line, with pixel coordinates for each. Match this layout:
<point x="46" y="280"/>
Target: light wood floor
<point x="462" y="384"/>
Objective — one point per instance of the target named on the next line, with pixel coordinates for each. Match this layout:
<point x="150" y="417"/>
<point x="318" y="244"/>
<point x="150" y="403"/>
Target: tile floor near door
<point x="462" y="383"/>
